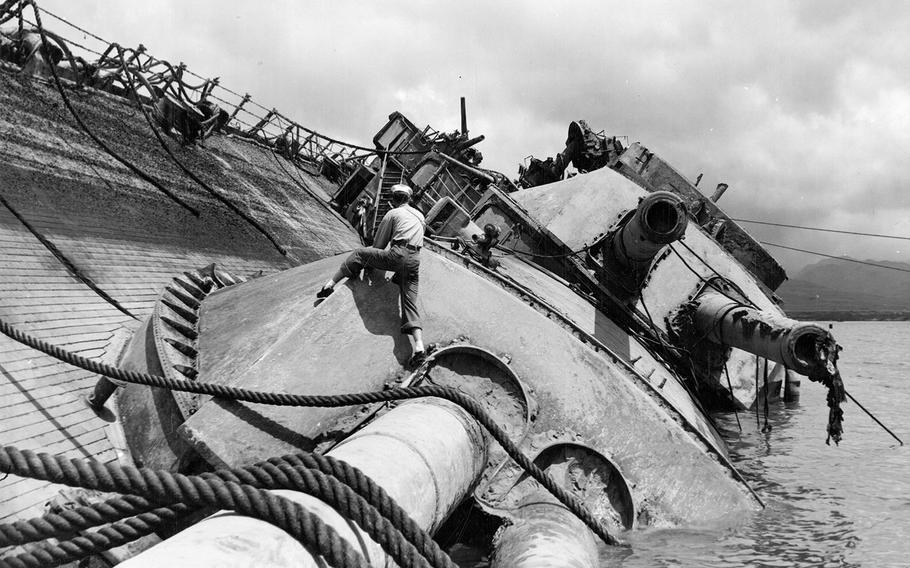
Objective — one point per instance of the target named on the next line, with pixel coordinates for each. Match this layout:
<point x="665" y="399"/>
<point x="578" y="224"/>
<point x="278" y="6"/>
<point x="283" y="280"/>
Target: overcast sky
<point x="802" y="107"/>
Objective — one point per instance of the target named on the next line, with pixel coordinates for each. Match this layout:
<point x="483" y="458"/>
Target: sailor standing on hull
<point x="402" y="228"/>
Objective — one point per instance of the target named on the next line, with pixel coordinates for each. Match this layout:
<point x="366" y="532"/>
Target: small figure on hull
<point x="486" y="243"/>
<point x="402" y="230"/>
<point x="481" y="248"/>
<point x="359" y="216"/>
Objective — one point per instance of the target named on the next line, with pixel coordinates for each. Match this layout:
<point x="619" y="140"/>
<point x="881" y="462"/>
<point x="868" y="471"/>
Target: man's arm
<point x="384" y="232"/>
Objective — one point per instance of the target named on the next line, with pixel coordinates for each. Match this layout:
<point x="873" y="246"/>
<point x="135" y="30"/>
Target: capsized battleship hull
<point x="595" y="405"/>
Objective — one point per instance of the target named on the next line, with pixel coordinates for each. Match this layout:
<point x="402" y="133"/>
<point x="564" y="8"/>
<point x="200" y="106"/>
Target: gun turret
<point x="660" y="219"/>
<point x="624" y="255"/>
<point x="800" y="346"/>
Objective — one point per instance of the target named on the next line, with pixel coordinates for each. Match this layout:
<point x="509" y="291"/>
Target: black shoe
<point x="324" y="293"/>
<point x="420" y="357"/>
<point x="417" y="359"/>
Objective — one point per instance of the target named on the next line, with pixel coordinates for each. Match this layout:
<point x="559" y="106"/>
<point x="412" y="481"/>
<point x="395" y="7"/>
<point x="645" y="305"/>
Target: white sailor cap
<point x="402" y="188"/>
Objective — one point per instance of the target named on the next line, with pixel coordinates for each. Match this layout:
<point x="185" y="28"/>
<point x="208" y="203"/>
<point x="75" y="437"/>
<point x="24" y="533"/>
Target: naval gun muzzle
<point x="659" y="220"/>
<point x="730" y="322"/>
<point x="625" y="254"/>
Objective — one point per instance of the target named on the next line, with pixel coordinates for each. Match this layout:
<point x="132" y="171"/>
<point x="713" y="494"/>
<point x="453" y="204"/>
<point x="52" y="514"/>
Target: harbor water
<point x="846" y="505"/>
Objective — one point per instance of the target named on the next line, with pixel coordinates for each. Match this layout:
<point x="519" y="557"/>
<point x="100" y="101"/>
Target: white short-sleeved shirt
<point x="403" y="223"/>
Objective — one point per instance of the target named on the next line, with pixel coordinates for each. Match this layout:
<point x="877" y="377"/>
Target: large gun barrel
<point x="726" y="321"/>
<point x="660" y="219"/>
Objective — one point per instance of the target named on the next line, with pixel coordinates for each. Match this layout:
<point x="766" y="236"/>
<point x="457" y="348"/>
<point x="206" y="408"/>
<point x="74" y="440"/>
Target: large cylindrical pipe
<point x="659" y="220"/>
<point x="546" y="536"/>
<point x="774" y="337"/>
<point x="427" y="469"/>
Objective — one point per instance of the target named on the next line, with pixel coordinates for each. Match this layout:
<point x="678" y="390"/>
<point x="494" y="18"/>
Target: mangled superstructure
<point x="587" y="151"/>
<point x="442" y="167"/>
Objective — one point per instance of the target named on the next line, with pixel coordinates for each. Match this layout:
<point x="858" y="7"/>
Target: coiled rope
<point x="163" y="488"/>
<point x="49" y="553"/>
<point x="267" y="475"/>
<point x="148" y="519"/>
<point x="353" y="399"/>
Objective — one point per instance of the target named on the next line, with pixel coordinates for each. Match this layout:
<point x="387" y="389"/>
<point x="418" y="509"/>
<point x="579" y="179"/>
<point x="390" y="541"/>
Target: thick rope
<point x="263" y="476"/>
<point x="342" y="499"/>
<point x="52" y="525"/>
<point x="8" y="12"/>
<point x="66" y="101"/>
<point x="49" y="553"/>
<point x="345" y="488"/>
<point x="364" y="486"/>
<point x="354" y="399"/>
<point x="348" y="490"/>
<point x="66" y="262"/>
<point x="230" y="205"/>
<point x="164" y="488"/>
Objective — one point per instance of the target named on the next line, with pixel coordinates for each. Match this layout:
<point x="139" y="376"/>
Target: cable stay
<point x="823" y="230"/>
<point x="843" y="258"/>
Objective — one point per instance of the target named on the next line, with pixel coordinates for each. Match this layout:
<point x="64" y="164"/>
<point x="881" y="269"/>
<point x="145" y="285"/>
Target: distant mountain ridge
<point x="837" y="290"/>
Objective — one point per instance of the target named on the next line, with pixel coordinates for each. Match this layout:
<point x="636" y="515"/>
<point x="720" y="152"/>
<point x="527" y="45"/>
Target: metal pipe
<point x="464" y="118"/>
<point x="729" y="322"/>
<point x="659" y="220"/>
<point x="468" y="143"/>
<point x="719" y="191"/>
<point x="473" y="171"/>
<point x="546" y="536"/>
<point x="426" y="454"/>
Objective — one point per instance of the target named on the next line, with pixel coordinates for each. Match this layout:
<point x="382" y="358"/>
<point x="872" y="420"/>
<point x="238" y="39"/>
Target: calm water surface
<point x="826" y="505"/>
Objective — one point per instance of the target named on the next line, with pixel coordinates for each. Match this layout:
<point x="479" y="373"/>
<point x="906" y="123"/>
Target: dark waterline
<point x="846" y="505"/>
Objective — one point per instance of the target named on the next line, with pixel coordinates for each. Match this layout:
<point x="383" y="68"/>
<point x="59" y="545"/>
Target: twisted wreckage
<point x="152" y="224"/>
